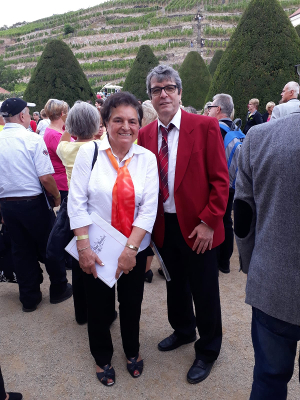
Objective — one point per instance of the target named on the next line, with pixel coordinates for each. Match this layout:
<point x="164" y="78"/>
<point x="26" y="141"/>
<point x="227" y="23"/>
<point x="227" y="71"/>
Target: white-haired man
<point x="222" y="108"/>
<point x="24" y="166"/>
<point x="290" y="102"/>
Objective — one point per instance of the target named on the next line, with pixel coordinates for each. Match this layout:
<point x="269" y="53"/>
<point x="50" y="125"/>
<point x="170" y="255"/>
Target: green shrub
<point x="57" y="75"/>
<point x="260" y="57"/>
<point x="195" y="80"/>
<point x="215" y="61"/>
<point x="68" y="29"/>
<point x="135" y="81"/>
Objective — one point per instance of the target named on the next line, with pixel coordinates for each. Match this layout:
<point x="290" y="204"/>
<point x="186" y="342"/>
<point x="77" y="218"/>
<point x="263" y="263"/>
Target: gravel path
<point x="45" y="354"/>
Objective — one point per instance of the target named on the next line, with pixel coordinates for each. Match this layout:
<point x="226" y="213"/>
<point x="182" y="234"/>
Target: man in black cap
<point x="24" y="166"/>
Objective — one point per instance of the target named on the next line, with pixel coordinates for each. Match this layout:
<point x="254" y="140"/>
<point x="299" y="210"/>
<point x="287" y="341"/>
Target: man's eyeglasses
<point x="209" y="107"/>
<point x="169" y="89"/>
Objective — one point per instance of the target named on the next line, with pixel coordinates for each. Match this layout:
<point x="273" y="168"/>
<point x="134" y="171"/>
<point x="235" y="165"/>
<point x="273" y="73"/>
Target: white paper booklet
<point x="108" y="243"/>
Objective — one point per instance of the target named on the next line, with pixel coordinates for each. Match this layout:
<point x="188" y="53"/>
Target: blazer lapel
<point x="185" y="146"/>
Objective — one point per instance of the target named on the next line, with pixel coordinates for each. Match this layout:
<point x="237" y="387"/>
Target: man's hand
<point x="204" y="238"/>
<point x="87" y="260"/>
<point x="126" y="261"/>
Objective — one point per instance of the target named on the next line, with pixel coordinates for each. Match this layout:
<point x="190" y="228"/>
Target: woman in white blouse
<point x="122" y="188"/>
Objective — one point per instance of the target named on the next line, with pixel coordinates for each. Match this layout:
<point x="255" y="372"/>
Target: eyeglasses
<point x="209" y="107"/>
<point x="169" y="89"/>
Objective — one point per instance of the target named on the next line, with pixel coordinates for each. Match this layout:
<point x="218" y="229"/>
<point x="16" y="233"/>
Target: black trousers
<point x="101" y="310"/>
<point x="225" y="249"/>
<point x="2" y="388"/>
<point x="29" y="223"/>
<point x="194" y="279"/>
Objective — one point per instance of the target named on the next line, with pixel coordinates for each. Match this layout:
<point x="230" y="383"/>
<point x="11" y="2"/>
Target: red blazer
<point x="201" y="177"/>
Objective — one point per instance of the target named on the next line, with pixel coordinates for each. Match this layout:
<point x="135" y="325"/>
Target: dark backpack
<point x="232" y="141"/>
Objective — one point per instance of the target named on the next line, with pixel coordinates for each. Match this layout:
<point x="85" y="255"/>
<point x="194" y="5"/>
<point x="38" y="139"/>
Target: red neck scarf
<point x="123" y="197"/>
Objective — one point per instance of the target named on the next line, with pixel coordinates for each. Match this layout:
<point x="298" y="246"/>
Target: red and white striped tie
<point x="163" y="158"/>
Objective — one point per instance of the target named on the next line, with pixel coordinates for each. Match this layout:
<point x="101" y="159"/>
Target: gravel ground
<point x="45" y="354"/>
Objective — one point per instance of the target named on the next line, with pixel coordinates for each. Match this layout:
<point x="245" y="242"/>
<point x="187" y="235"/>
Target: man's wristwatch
<point x="132" y="247"/>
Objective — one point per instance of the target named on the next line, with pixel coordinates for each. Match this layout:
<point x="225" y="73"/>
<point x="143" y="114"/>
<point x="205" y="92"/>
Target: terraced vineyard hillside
<point x="106" y="38"/>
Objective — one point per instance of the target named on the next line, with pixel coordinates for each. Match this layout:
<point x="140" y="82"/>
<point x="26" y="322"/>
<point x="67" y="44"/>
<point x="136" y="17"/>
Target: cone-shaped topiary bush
<point x="215" y="61"/>
<point x="195" y="80"/>
<point x="58" y="75"/>
<point x="135" y="81"/>
<point x="260" y="57"/>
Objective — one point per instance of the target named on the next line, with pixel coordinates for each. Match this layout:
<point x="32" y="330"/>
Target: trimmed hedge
<point x="215" y="61"/>
<point x="135" y="81"/>
<point x="196" y="80"/>
<point x="260" y="57"/>
<point x="58" y="75"/>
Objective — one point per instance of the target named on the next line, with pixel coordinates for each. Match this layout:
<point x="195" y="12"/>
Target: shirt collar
<point x="134" y="149"/>
<point x="14" y="125"/>
<point x="176" y="120"/>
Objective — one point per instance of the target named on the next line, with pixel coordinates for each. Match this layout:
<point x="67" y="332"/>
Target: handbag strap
<point x="95" y="155"/>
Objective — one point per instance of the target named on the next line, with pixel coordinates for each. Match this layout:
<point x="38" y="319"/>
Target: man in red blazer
<point x="192" y="201"/>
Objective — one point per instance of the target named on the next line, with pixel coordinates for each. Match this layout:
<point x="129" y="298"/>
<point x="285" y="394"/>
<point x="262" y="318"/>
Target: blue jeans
<point x="275" y="345"/>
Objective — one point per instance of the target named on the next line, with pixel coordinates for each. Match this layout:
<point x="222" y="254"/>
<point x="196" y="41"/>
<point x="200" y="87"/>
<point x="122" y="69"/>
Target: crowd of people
<point x="159" y="171"/>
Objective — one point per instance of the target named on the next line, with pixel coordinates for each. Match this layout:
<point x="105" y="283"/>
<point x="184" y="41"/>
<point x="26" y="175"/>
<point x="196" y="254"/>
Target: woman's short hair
<point x="54" y="108"/>
<point x="83" y="120"/>
<point x="162" y="73"/>
<point x="255" y="102"/>
<point x="43" y="113"/>
<point x="120" y="99"/>
<point x="150" y="114"/>
<point x="270" y="104"/>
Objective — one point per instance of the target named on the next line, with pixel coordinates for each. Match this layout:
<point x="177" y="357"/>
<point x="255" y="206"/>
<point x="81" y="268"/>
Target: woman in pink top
<point x="57" y="111"/>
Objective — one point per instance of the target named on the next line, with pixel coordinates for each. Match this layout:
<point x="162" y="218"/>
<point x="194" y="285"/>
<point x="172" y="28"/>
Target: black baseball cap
<point x="14" y="106"/>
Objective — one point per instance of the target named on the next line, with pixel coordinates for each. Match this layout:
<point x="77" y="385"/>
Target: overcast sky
<point x="31" y="10"/>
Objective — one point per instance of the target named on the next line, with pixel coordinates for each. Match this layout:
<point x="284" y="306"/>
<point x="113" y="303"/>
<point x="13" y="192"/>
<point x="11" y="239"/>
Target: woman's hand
<point x="126" y="261"/>
<point x="87" y="260"/>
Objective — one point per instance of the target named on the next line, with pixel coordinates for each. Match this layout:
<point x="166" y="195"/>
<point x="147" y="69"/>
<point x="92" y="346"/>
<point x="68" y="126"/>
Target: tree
<point x="195" y="80"/>
<point x="260" y="57"/>
<point x="8" y="77"/>
<point x="298" y="29"/>
<point x="68" y="29"/>
<point x="215" y="61"/>
<point x="58" y="75"/>
<point x="135" y="81"/>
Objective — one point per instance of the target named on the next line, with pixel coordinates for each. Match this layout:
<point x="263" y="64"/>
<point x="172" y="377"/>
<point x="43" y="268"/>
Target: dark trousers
<point x="225" y="249"/>
<point x="2" y="388"/>
<point x="275" y="346"/>
<point x="101" y="309"/>
<point x="29" y="223"/>
<point x="194" y="277"/>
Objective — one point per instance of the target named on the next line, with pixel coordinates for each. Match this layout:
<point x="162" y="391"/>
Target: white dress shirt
<point x="92" y="190"/>
<point x="173" y="136"/>
<point x="23" y="158"/>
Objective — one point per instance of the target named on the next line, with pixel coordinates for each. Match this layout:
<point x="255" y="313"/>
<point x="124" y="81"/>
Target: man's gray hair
<point x="83" y="120"/>
<point x="293" y="86"/>
<point x="209" y="103"/>
<point x="162" y="73"/>
<point x="36" y="113"/>
<point x="10" y="119"/>
<point x="225" y="102"/>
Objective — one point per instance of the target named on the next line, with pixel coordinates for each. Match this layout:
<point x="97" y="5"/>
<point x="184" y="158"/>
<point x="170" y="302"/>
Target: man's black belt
<point x="24" y="198"/>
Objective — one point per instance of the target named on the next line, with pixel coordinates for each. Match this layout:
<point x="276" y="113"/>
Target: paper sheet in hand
<point x="107" y="243"/>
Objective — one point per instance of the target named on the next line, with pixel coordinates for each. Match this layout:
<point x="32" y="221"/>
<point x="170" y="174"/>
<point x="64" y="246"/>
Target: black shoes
<point x="64" y="296"/>
<point x="224" y="267"/>
<point x="148" y="276"/>
<point x="173" y="342"/>
<point x="30" y="309"/>
<point x="14" y="396"/>
<point x="199" y="371"/>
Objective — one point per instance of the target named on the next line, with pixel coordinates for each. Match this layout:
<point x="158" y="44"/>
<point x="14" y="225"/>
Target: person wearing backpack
<point x="222" y="108"/>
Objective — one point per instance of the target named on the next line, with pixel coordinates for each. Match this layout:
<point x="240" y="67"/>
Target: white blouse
<point x="91" y="191"/>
